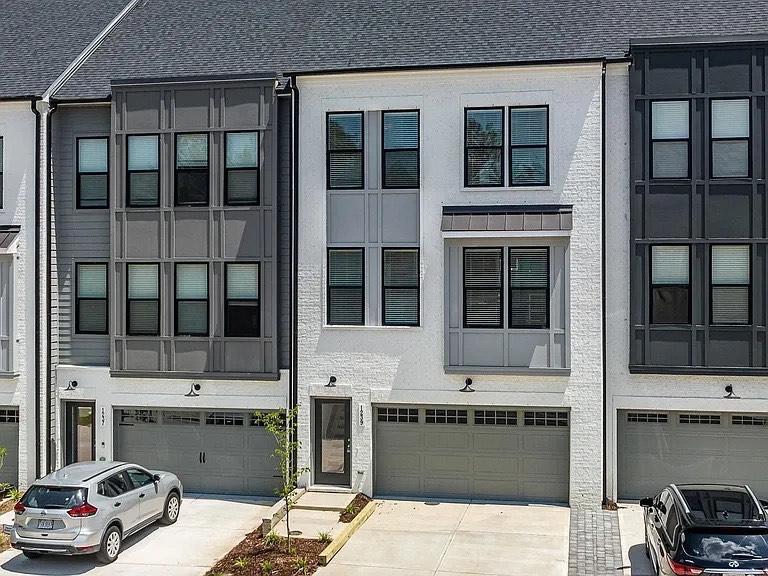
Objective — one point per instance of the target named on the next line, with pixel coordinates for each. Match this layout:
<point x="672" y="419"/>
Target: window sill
<point x="360" y="328"/>
<point x="9" y="375"/>
<point x="507" y="370"/>
<point x="703" y="370"/>
<point x="470" y="189"/>
<point x="170" y="375"/>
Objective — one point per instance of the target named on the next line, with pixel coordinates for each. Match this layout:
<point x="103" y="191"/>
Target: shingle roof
<point x="39" y="39"/>
<point x="204" y="37"/>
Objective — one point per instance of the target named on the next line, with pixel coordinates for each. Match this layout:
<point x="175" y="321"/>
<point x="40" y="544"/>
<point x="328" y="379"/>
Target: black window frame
<point x="712" y="286"/>
<point x="177" y="170"/>
<point x="329" y="151"/>
<point x="78" y="299"/>
<point x="385" y="150"/>
<point x="129" y="300"/>
<point x="2" y="172"/>
<point x="511" y="147"/>
<point x="500" y="288"/>
<point x="150" y="478"/>
<point x="177" y="300"/>
<point x="654" y="140"/>
<point x="748" y="140"/>
<point x="328" y="286"/>
<point x="128" y="172"/>
<point x="501" y="147"/>
<point x="510" y="288"/>
<point x="79" y="175"/>
<point x="384" y="286"/>
<point x="652" y="287"/>
<point x="257" y="168"/>
<point x="227" y="327"/>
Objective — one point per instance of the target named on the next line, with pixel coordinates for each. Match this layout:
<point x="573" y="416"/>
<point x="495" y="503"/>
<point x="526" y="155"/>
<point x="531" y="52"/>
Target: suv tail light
<point x="82" y="511"/>
<point x="684" y="569"/>
<point x="19" y="508"/>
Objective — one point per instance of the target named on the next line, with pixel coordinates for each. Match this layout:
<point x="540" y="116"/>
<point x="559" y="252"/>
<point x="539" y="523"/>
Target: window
<point x="670" y="526"/>
<point x="528" y="287"/>
<point x="647" y="417"/>
<point x="446" y="416"/>
<point x="554" y="419"/>
<point x="699" y="419"/>
<point x="483" y="147"/>
<point x="399" y="415"/>
<point x="730" y="138"/>
<point x="741" y="420"/>
<point x="91" y="310"/>
<point x="192" y="299"/>
<point x="224" y="419"/>
<point x="670" y="134"/>
<point x="92" y="173"/>
<point x="241" y="179"/>
<point x="243" y="312"/>
<point x="143" y="300"/>
<point x="729" y="291"/>
<point x="400" y="290"/>
<point x="482" y="288"/>
<point x="495" y="418"/>
<point x="400" y="149"/>
<point x="345" y="150"/>
<point x="670" y="285"/>
<point x="114" y="486"/>
<point x="139" y="478"/>
<point x="9" y="416"/>
<point x="529" y="146"/>
<point x="138" y="417"/>
<point x="181" y="417"/>
<point x="2" y="157"/>
<point x="191" y="169"/>
<point x="143" y="184"/>
<point x="345" y="286"/>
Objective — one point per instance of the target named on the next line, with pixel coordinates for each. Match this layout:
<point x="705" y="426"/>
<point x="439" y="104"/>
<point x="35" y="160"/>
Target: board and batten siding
<point x="284" y="265"/>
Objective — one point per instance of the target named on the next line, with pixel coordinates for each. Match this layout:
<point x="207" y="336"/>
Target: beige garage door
<point x="492" y="453"/>
<point x="211" y="451"/>
<point x="9" y="439"/>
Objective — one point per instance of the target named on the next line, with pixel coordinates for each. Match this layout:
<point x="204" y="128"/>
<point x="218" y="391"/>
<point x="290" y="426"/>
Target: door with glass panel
<point x="80" y="433"/>
<point x="332" y="442"/>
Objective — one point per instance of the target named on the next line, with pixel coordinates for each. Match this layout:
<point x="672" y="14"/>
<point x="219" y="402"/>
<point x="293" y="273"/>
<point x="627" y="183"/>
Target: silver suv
<point x="89" y="507"/>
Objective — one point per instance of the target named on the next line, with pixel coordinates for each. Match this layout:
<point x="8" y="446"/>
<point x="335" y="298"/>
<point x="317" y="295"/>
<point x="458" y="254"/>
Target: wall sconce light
<point x="467" y="386"/>
<point x="331" y="382"/>
<point x="193" y="390"/>
<point x="730" y="393"/>
<point x="71" y="385"/>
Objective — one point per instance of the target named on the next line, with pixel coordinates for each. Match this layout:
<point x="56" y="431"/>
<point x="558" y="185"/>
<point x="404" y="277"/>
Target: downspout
<point x="35" y="266"/>
<point x="50" y="452"/>
<point x="293" y="394"/>
<point x="603" y="283"/>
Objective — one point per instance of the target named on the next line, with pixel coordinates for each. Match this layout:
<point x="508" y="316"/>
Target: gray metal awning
<point x="507" y="218"/>
<point x="8" y="234"/>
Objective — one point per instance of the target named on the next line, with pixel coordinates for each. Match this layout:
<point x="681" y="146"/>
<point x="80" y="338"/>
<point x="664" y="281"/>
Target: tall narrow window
<point x="483" y="147"/>
<point x="730" y="283"/>
<point x="482" y="288"/>
<point x="670" y="134"/>
<point x="400" y="287"/>
<point x="192" y="299"/>
<point x="528" y="287"/>
<point x="143" y="184"/>
<point x="529" y="146"/>
<point x="191" y="169"/>
<point x="91" y="299"/>
<point x="345" y="286"/>
<point x="730" y="138"/>
<point x="345" y="150"/>
<point x="92" y="173"/>
<point x="400" y="161"/>
<point x="143" y="300"/>
<point x="2" y="162"/>
<point x="243" y="310"/>
<point x="670" y="285"/>
<point x="241" y="181"/>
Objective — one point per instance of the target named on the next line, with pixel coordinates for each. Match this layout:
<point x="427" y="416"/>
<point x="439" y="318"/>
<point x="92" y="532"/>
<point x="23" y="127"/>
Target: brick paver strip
<point x="594" y="543"/>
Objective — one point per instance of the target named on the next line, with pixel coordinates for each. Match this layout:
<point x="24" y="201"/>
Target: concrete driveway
<point x="636" y="563"/>
<point x="208" y="527"/>
<point x="410" y="538"/>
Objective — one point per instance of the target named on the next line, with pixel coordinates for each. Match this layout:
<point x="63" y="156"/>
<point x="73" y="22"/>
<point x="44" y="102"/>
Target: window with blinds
<point x="730" y="138"/>
<point x="483" y="279"/>
<point x="483" y="147"/>
<point x="143" y="306"/>
<point x="528" y="288"/>
<point x="143" y="171"/>
<point x="670" y="135"/>
<point x="670" y="285"/>
<point x="241" y="179"/>
<point x="346" y="287"/>
<point x="191" y="299"/>
<point x="92" y="173"/>
<point x="400" y="149"/>
<point x="243" y="301"/>
<point x="192" y="169"/>
<point x="2" y="169"/>
<point x="400" y="286"/>
<point x="529" y="146"/>
<point x="731" y="278"/>
<point x="345" y="150"/>
<point x="91" y="299"/>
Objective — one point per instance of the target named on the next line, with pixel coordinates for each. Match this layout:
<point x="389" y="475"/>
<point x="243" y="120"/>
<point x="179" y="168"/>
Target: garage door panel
<point x="397" y="437"/>
<point x="9" y="438"/>
<point x="447" y="486"/>
<point x="441" y="439"/>
<point x="495" y="442"/>
<point x="546" y="490"/>
<point x="401" y="485"/>
<point x="491" y="465"/>
<point x="495" y="488"/>
<point x="404" y="463"/>
<point x="447" y="462"/>
<point x="540" y="466"/>
<point x="545" y="442"/>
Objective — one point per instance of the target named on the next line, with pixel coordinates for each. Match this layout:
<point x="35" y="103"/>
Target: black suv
<point x="712" y="530"/>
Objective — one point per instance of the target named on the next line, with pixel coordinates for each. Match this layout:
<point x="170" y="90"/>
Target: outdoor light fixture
<point x="729" y="392"/>
<point x="331" y="382"/>
<point x="71" y="385"/>
<point x="467" y="386"/>
<point x="193" y="390"/>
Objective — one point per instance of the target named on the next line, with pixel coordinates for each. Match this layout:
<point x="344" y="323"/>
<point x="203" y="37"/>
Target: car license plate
<point x="45" y="524"/>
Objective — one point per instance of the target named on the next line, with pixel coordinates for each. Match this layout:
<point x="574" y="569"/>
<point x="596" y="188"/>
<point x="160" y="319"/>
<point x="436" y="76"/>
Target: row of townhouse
<point x="532" y="268"/>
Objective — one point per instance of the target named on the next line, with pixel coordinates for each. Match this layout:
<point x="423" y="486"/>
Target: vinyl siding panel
<point x="284" y="232"/>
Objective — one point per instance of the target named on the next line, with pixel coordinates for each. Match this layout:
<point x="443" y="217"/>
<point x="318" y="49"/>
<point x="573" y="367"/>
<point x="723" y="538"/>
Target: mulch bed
<point x="354" y="508"/>
<point x="246" y="558"/>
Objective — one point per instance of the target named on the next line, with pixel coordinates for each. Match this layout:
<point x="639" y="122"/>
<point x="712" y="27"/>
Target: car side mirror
<point x="646" y="502"/>
<point x="156" y="478"/>
<point x="764" y="504"/>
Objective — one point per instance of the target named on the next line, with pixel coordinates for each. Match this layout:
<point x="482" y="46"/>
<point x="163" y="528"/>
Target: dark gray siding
<point x="81" y="235"/>
<point x="698" y="211"/>
<point x="284" y="266"/>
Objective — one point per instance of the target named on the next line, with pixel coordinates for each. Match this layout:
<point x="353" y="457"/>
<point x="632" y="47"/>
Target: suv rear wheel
<point x="110" y="545"/>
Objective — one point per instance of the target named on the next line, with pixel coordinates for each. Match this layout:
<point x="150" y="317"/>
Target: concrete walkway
<point x="633" y="541"/>
<point x="208" y="527"/>
<point x="316" y="512"/>
<point x="414" y="538"/>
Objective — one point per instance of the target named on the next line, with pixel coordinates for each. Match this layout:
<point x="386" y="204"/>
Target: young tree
<point x="282" y="426"/>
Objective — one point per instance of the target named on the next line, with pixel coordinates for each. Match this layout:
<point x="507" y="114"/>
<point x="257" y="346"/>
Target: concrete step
<point x="324" y="501"/>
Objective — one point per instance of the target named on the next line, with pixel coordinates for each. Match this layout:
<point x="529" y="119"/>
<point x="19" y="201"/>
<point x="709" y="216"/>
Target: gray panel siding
<point x="9" y="438"/>
<point x="284" y="265"/>
<point x="81" y="235"/>
<point x="6" y="315"/>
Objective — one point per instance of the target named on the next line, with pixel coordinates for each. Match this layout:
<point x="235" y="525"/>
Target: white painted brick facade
<point x="405" y="365"/>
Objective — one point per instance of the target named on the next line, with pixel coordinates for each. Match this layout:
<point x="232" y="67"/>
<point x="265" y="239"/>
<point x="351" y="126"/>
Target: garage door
<point x="9" y="439"/>
<point x="508" y="454"/>
<point x="659" y="448"/>
<point x="215" y="452"/>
